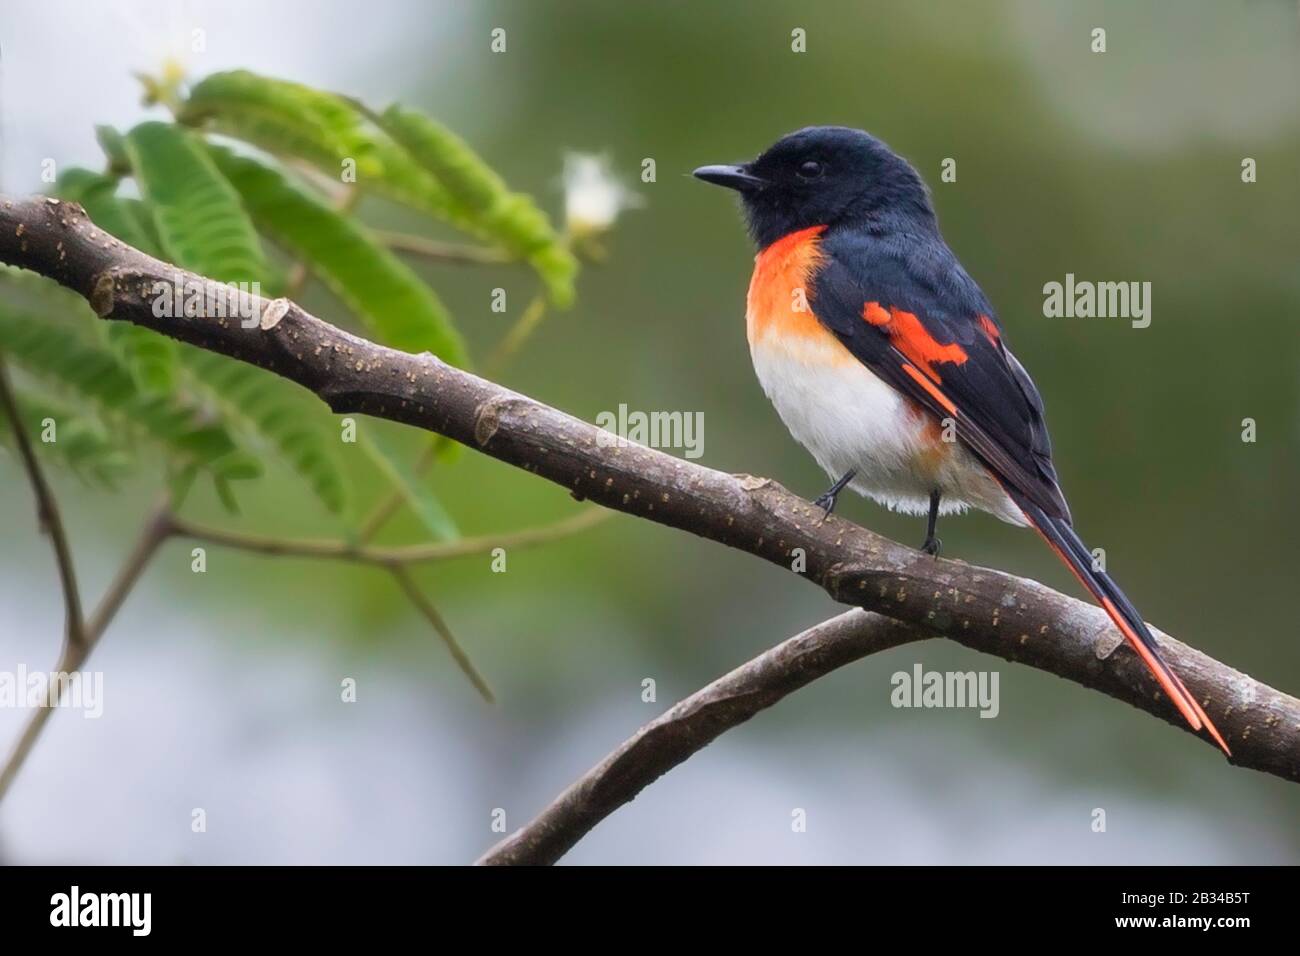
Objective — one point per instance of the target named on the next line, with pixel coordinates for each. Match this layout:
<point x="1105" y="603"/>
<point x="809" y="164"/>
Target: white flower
<point x="593" y="196"/>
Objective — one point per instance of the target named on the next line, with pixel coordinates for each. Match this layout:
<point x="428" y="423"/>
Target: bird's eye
<point x="810" y="169"/>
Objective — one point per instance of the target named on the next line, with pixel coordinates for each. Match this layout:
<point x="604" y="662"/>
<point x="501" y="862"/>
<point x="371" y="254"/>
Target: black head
<point x="823" y="175"/>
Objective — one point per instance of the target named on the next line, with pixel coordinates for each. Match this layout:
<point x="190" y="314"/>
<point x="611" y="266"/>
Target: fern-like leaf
<point x="382" y="290"/>
<point x="290" y="119"/>
<point x="204" y="227"/>
<point x="511" y="219"/>
<point x="53" y="352"/>
<point x="76" y="441"/>
<point x="150" y="355"/>
<point x="256" y="402"/>
<point x="25" y="291"/>
<point x="414" y="490"/>
<point x="198" y="215"/>
<point x="113" y="143"/>
<point x="402" y="155"/>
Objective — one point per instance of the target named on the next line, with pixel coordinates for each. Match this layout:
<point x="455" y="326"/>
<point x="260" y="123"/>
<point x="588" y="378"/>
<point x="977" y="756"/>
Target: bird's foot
<point x="932" y="546"/>
<point x="826" y="501"/>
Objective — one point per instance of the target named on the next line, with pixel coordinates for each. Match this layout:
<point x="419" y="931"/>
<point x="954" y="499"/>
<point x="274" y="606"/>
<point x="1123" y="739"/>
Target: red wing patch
<point x="990" y="330"/>
<point x="930" y="387"/>
<point x="910" y="336"/>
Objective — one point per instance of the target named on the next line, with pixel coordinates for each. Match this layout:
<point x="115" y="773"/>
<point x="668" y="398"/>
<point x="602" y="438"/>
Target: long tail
<point x="1070" y="548"/>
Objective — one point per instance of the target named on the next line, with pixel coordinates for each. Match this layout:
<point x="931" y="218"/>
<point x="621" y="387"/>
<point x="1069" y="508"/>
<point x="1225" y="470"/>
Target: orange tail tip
<point x="1170" y="682"/>
<point x="1205" y="719"/>
<point x="1058" y="540"/>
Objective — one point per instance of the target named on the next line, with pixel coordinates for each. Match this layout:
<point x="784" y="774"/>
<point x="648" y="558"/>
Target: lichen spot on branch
<point x="487" y="419"/>
<point x="102" y="296"/>
<point x="273" y="312"/>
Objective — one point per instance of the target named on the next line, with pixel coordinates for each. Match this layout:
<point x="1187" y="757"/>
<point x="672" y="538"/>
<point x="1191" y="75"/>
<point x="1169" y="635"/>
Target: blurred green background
<point x="1122" y="166"/>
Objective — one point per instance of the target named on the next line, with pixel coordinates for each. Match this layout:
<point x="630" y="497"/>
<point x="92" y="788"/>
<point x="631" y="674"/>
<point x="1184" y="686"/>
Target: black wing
<point x="905" y="307"/>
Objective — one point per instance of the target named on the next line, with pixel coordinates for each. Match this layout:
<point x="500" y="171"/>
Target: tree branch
<point x="397" y="561"/>
<point x="389" y="505"/>
<point x="394" y="558"/>
<point x="444" y="251"/>
<point x="692" y="725"/>
<point x="156" y="530"/>
<point x="1014" y="618"/>
<point x="509" y="346"/>
<point x="432" y="615"/>
<point x="47" y="513"/>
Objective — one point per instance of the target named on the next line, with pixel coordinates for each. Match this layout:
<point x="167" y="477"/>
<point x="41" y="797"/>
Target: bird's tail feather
<point x="1070" y="549"/>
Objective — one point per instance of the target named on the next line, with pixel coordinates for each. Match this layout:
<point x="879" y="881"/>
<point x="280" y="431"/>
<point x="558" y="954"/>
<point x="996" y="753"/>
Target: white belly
<point x="848" y="418"/>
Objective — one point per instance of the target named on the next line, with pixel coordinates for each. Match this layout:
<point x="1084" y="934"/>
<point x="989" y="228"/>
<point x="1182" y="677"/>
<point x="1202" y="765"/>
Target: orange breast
<point x="777" y="313"/>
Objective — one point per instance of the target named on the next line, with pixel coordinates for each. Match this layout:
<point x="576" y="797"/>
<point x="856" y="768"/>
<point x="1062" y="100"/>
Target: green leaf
<point x="429" y="169"/>
<point x="289" y="119"/>
<point x="511" y="219"/>
<point x="280" y="116"/>
<point x="198" y="215"/>
<point x="80" y="442"/>
<point x="225" y="494"/>
<point x="54" y="352"/>
<point x="180" y="480"/>
<point x="415" y="492"/>
<point x="26" y="291"/>
<point x="150" y="355"/>
<point x="383" y="291"/>
<point x="278" y="415"/>
<point x="113" y="144"/>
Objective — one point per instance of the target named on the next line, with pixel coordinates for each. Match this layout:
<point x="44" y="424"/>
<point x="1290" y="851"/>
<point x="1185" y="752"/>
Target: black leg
<point x="932" y="544"/>
<point x="827" y="500"/>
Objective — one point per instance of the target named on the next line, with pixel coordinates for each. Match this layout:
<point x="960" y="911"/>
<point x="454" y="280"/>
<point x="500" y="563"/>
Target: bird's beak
<point x="733" y="177"/>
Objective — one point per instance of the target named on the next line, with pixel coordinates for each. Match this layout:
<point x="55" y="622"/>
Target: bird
<point x="886" y="361"/>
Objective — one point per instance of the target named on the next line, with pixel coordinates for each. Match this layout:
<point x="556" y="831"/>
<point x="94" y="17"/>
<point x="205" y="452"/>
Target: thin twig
<point x="692" y="725"/>
<point x="163" y="523"/>
<point x="444" y="251"/>
<point x="515" y="338"/>
<point x="394" y="557"/>
<point x="425" y="607"/>
<point x="47" y="511"/>
<point x="386" y="508"/>
<point x="156" y="531"/>
<point x="506" y="350"/>
<point x="398" y="561"/>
